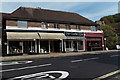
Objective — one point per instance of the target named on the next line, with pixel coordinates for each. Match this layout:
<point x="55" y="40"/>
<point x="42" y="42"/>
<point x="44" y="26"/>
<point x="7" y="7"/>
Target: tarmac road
<point x="81" y="67"/>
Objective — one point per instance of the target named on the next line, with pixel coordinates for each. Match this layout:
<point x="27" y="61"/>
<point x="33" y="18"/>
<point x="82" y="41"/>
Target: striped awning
<point x="22" y="35"/>
<point x="52" y="36"/>
<point x="75" y="37"/>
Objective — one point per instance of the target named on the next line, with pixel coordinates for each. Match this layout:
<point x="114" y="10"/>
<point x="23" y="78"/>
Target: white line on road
<point x="14" y="63"/>
<point x="77" y="60"/>
<point x="26" y="67"/>
<point x="84" y="59"/>
<point x="107" y="75"/>
<point x="91" y="59"/>
<point x="114" y="55"/>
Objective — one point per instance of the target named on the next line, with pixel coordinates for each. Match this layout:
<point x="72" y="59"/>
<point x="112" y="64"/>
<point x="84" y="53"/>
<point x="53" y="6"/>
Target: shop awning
<point x="75" y="37"/>
<point x="22" y="35"/>
<point x="52" y="36"/>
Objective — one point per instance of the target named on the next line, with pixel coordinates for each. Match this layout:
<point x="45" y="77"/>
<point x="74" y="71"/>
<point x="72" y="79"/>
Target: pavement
<point x="25" y="56"/>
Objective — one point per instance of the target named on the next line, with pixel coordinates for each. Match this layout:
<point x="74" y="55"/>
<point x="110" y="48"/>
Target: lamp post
<point x="105" y="43"/>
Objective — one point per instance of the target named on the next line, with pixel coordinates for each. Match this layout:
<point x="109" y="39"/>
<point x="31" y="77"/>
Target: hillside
<point x="112" y="20"/>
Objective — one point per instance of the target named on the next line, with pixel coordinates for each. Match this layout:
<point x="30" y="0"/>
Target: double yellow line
<point x="107" y="75"/>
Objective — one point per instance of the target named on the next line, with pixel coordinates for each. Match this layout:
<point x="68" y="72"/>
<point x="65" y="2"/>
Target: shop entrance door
<point x="56" y="46"/>
<point x="75" y="45"/>
<point x="26" y="46"/>
<point x="29" y="46"/>
<point x="88" y="45"/>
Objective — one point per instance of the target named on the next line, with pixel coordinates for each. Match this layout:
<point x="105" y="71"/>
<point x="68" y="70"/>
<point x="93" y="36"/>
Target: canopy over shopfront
<point x="22" y="35"/>
<point x="52" y="36"/>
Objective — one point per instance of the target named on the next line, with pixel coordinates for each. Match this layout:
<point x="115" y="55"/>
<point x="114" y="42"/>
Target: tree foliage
<point x="110" y="35"/>
<point x="111" y="19"/>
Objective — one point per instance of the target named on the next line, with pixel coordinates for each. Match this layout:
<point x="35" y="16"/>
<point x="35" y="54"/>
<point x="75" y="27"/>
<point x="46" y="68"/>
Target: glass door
<point x="29" y="46"/>
<point x="75" y="45"/>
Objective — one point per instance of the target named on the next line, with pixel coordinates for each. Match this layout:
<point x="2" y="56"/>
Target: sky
<point x="91" y="10"/>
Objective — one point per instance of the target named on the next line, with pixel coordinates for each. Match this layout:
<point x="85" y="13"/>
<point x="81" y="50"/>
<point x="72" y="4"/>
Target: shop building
<point x="35" y="30"/>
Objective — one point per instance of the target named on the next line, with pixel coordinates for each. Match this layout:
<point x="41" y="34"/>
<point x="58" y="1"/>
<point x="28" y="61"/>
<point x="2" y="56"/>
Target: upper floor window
<point x="22" y="24"/>
<point x="93" y="28"/>
<point x="56" y="25"/>
<point x="44" y="25"/>
<point x="78" y="27"/>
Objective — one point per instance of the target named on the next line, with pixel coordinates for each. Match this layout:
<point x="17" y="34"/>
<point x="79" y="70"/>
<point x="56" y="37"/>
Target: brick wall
<point x="73" y="26"/>
<point x="85" y="27"/>
<point x="34" y="24"/>
<point x="62" y="26"/>
<point x="11" y="23"/>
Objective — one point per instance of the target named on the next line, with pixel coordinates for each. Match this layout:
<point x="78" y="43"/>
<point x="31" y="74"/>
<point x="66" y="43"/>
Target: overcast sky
<point x="91" y="10"/>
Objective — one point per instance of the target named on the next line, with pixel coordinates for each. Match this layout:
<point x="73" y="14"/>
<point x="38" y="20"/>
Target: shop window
<point x="22" y="24"/>
<point x="96" y="44"/>
<point x="29" y="46"/>
<point x="80" y="45"/>
<point x="56" y="25"/>
<point x="15" y="47"/>
<point x="44" y="45"/>
<point x="69" y="45"/>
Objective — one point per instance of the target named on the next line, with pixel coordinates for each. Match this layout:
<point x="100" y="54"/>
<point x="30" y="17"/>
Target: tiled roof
<point x="38" y="14"/>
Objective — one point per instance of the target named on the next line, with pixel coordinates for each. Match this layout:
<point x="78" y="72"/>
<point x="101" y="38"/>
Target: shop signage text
<point x="74" y="34"/>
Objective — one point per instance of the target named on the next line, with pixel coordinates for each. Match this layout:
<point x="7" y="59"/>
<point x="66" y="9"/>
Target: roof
<point x="38" y="14"/>
<point x="3" y="14"/>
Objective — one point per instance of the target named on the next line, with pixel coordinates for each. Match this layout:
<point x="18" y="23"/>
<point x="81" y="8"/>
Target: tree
<point x="110" y="35"/>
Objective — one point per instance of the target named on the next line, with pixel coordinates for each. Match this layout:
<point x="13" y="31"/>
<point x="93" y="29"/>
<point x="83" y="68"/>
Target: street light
<point x="105" y="44"/>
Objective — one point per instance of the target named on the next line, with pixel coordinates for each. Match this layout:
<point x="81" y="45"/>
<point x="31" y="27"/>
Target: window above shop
<point x="56" y="25"/>
<point x="44" y="25"/>
<point x="78" y="27"/>
<point x="93" y="28"/>
<point x="22" y="24"/>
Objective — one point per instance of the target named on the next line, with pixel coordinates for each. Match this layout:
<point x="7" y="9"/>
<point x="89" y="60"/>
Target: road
<point x="82" y="67"/>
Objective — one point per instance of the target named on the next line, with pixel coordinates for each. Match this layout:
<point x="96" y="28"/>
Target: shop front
<point x="74" y="45"/>
<point x="74" y="41"/>
<point x="21" y="42"/>
<point x="29" y="42"/>
<point x="94" y="42"/>
<point x="51" y="42"/>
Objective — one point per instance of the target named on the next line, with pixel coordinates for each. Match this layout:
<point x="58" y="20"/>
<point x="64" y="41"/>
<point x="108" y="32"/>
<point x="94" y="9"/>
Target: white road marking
<point x="14" y="63"/>
<point x="107" y="75"/>
<point x="114" y="55"/>
<point x="25" y="67"/>
<point x="84" y="59"/>
<point x="76" y="61"/>
<point x="46" y="74"/>
<point x="91" y="59"/>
